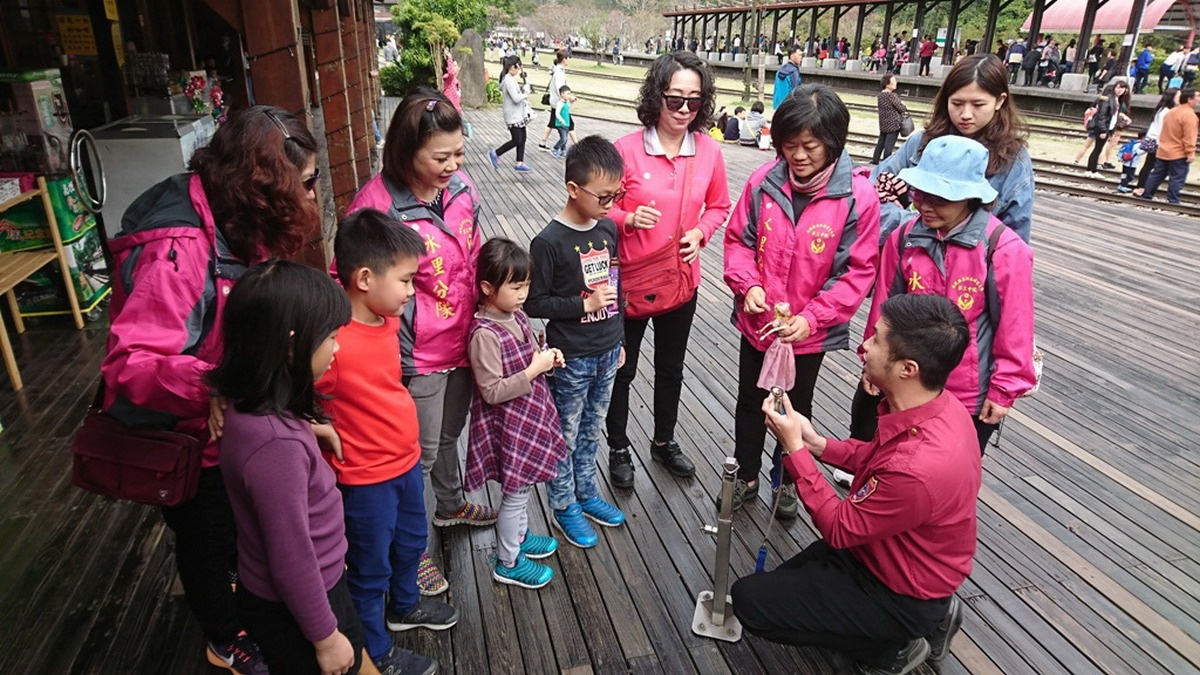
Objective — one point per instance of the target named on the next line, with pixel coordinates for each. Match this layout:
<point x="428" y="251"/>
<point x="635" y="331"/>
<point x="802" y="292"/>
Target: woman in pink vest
<point x="422" y="185"/>
<point x="676" y="197"/>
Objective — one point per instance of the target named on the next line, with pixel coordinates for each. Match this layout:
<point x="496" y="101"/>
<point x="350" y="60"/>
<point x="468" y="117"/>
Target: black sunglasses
<point x="605" y="201"/>
<point x="311" y="182"/>
<point x="675" y="103"/>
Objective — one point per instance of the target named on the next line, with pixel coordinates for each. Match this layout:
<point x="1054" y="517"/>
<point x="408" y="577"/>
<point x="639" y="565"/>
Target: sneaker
<point x="742" y="493"/>
<point x="403" y="662"/>
<point x="543" y="146"/>
<point x="789" y="503"/>
<point x="620" y="468"/>
<point x="538" y="546"/>
<point x="431" y="614"/>
<point x="939" y="640"/>
<point x="1108" y="165"/>
<point x="240" y="656"/>
<point x="843" y="478"/>
<point x="671" y="456"/>
<point x="525" y="573"/>
<point x="430" y="580"/>
<point x="1124" y="189"/>
<point x="557" y="154"/>
<point x="601" y="512"/>
<point x="494" y="159"/>
<point x="522" y="167"/>
<point x="477" y="515"/>
<point x="907" y="659"/>
<point x="574" y="526"/>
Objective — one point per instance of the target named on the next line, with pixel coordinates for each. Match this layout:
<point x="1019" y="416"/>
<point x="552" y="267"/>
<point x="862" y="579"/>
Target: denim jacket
<point x="1014" y="205"/>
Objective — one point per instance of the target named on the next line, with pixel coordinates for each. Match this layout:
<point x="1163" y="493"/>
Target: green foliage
<point x="493" y="92"/>
<point x="392" y="79"/>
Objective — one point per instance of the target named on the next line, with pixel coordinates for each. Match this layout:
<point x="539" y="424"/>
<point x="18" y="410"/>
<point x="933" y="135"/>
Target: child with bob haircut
<point x="957" y="248"/>
<point x="377" y="457"/>
<point x="575" y="286"/>
<point x="515" y="437"/>
<point x="280" y="333"/>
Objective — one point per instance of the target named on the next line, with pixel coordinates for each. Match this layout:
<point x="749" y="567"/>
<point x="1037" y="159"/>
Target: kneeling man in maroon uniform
<point x="879" y="585"/>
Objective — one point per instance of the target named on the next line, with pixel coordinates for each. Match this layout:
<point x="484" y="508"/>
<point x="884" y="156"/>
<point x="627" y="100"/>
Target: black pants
<point x="1013" y="69"/>
<point x="1147" y="167"/>
<point x="273" y="628"/>
<point x="749" y="428"/>
<point x="671" y="332"/>
<point x="864" y="419"/>
<point x="924" y="70"/>
<point x="1029" y="76"/>
<point x="206" y="556"/>
<point x="517" y="141"/>
<point x="1092" y="67"/>
<point x="824" y="597"/>
<point x="885" y="146"/>
<point x="1097" y="148"/>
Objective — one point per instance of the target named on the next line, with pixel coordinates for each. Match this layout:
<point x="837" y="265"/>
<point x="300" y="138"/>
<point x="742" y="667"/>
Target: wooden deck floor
<point x="1089" y="526"/>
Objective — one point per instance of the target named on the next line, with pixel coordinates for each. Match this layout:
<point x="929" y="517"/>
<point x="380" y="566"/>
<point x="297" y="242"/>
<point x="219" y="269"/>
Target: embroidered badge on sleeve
<point x="867" y="489"/>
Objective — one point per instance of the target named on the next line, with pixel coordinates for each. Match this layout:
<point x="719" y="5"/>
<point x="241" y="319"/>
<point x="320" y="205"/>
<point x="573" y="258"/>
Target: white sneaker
<point x="843" y="478"/>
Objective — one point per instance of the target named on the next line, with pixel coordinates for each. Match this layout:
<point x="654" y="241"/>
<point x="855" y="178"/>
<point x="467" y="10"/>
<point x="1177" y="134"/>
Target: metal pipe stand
<point x="714" y="609"/>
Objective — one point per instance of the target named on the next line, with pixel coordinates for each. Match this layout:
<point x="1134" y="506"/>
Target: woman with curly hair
<point x="973" y="102"/>
<point x="250" y="195"/>
<point x="675" y="198"/>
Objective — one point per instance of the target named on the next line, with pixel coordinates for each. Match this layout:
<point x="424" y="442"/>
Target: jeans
<point x="278" y="636"/>
<point x="671" y="333"/>
<point x="582" y="390"/>
<point x="561" y="145"/>
<point x="749" y="429"/>
<point x="885" y="146"/>
<point x="386" y="531"/>
<point x="206" y="556"/>
<point x="517" y="141"/>
<point x="824" y="597"/>
<point x="443" y="401"/>
<point x="1175" y="171"/>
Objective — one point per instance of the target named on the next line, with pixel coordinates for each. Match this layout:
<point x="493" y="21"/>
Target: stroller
<point x="1049" y="75"/>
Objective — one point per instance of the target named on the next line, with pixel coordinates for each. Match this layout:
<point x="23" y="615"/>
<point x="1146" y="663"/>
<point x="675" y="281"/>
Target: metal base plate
<point x="702" y="623"/>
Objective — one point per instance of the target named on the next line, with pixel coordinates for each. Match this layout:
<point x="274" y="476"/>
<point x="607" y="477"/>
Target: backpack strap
<point x="993" y="295"/>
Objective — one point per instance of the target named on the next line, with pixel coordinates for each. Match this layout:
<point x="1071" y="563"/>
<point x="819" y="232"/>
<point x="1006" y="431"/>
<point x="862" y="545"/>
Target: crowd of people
<point x="331" y="398"/>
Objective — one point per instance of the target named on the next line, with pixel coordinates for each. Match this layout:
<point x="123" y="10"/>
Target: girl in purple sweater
<point x="280" y="329"/>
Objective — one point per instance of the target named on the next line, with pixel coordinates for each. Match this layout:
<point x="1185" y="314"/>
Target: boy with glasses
<point x="575" y="287"/>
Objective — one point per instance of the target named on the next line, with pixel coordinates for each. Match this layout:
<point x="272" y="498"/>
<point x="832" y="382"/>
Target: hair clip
<point x="431" y="105"/>
<point x="278" y="123"/>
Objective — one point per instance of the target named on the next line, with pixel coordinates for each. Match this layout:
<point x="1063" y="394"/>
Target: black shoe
<point x="940" y="638"/>
<point x="671" y="456"/>
<point x="620" y="468"/>
<point x="1108" y="165"/>
<point x="429" y="613"/>
<point x="403" y="662"/>
<point x="907" y="659"/>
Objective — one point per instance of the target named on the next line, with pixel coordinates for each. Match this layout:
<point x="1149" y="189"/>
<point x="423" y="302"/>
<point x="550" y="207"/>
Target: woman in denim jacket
<point x="972" y="102"/>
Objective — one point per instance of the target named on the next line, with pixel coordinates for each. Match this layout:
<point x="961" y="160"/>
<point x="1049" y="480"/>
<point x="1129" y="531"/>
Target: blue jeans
<point x="582" y="390"/>
<point x="561" y="145"/>
<point x="1175" y="171"/>
<point x="386" y="530"/>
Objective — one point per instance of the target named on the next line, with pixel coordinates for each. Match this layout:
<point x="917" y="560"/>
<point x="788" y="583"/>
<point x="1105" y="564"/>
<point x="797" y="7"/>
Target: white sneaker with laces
<point x="843" y="478"/>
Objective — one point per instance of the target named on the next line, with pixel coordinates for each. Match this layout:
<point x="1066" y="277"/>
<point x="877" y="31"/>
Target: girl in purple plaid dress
<point x="515" y="435"/>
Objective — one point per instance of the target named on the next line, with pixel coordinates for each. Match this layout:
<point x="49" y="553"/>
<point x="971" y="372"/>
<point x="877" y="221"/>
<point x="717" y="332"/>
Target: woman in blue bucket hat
<point x="956" y="247"/>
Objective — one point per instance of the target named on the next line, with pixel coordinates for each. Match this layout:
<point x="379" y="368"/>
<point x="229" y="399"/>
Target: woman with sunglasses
<point x="958" y="248"/>
<point x="676" y="197"/>
<point x="422" y="185"/>
<point x="806" y="233"/>
<point x="250" y="195"/>
<point x="973" y="102"/>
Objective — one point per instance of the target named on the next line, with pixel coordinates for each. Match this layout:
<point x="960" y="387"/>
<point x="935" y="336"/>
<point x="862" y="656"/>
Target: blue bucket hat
<point x="953" y="168"/>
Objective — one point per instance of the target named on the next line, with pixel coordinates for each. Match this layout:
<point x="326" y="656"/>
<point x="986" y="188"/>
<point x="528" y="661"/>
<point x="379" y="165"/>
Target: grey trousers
<point x="443" y="401"/>
<point x="511" y="525"/>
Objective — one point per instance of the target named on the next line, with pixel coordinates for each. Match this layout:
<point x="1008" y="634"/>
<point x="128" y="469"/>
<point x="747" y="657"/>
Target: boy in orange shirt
<point x="376" y="455"/>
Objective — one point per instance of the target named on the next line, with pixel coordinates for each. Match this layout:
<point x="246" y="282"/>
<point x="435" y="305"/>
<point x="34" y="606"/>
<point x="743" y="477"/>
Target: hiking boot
<point x="431" y="614"/>
<point x="525" y="573"/>
<point x="538" y="546"/>
<point x="240" y="656"/>
<point x="429" y="578"/>
<point x="403" y="662"/>
<point x="575" y="527"/>
<point x="476" y="515"/>
<point x="601" y="512"/>
<point x="742" y="492"/>
<point x="671" y="456"/>
<point x="939" y="640"/>
<point x="620" y="468"/>
<point x="907" y="659"/>
<point x="789" y="503"/>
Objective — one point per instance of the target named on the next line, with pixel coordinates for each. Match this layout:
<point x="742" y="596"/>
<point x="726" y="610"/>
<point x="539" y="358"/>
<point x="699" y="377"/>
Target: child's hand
<point x="559" y="359"/>
<point x="335" y="655"/>
<point x="542" y="362"/>
<point x="621" y="358"/>
<point x="216" y="415"/>
<point x="328" y="438"/>
<point x="600" y="298"/>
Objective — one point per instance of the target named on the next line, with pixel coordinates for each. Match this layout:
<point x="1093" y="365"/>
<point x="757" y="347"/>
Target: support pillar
<point x="914" y="46"/>
<point x="1035" y="22"/>
<point x="1134" y="29"/>
<point x="812" y="31"/>
<point x="887" y="24"/>
<point x="795" y="20"/>
<point x="774" y="28"/>
<point x="952" y="28"/>
<point x="863" y="11"/>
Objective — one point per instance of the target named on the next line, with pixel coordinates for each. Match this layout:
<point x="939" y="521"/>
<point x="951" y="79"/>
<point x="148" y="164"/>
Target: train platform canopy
<point x="1112" y="17"/>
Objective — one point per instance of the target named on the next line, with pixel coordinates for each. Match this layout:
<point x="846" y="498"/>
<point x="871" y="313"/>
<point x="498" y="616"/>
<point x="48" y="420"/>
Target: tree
<point x="428" y="27"/>
<point x="592" y="30"/>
